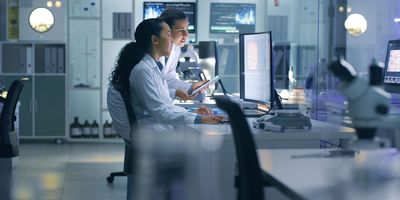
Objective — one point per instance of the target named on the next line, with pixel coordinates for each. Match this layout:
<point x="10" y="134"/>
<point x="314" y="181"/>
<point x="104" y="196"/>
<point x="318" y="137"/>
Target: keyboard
<point x="253" y="113"/>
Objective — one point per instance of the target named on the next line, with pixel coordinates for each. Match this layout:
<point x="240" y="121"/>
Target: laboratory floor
<point x="48" y="171"/>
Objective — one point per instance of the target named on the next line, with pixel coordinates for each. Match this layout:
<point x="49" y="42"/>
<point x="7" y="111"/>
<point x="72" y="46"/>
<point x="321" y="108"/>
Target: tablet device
<point x="206" y="84"/>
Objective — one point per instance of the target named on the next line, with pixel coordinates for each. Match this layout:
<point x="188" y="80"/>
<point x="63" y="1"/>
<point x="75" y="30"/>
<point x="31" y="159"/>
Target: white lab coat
<point x="174" y="83"/>
<point x="150" y="95"/>
<point x="118" y="112"/>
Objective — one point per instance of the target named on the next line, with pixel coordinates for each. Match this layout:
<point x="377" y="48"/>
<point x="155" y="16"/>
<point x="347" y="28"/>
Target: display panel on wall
<point x="232" y="18"/>
<point x="154" y="9"/>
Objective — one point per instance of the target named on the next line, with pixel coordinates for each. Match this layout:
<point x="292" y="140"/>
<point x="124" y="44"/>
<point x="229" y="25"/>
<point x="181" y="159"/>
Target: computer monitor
<point x="232" y="18"/>
<point x="154" y="9"/>
<point x="391" y="75"/>
<point x="256" y="77"/>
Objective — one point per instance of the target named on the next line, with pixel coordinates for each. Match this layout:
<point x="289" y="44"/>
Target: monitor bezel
<point x="220" y="33"/>
<point x="175" y="2"/>
<point x="391" y="87"/>
<point x="241" y="70"/>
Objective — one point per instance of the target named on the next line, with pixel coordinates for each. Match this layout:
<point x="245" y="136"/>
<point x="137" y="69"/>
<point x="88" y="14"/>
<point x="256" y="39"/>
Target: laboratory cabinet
<point x="42" y="108"/>
<point x="40" y="56"/>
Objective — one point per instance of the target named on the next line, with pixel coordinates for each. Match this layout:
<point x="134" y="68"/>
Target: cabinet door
<point x="26" y="102"/>
<point x="50" y="106"/>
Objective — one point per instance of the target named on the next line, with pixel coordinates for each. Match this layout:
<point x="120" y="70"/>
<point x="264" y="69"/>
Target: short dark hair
<point x="171" y="15"/>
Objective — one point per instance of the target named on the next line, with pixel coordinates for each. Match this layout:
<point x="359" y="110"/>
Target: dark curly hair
<point x="133" y="52"/>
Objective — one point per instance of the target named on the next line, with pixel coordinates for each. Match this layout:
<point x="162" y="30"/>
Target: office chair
<point x="249" y="182"/>
<point x="133" y="124"/>
<point x="8" y="136"/>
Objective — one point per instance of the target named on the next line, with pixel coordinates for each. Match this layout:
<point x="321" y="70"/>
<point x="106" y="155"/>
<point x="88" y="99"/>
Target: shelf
<point x="34" y="74"/>
<point x="85" y="88"/>
<point x="15" y="74"/>
<point x="36" y="137"/>
<point x="49" y="74"/>
<point x="86" y="18"/>
<point x="117" y="39"/>
<point x="111" y="140"/>
<point x="30" y="42"/>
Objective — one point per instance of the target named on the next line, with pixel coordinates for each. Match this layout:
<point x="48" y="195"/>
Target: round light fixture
<point x="349" y="9"/>
<point x="355" y="24"/>
<point x="41" y="20"/>
<point x="49" y="4"/>
<point x="58" y="4"/>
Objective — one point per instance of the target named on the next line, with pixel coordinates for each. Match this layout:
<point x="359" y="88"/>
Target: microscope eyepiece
<point x="376" y="73"/>
<point x="342" y="69"/>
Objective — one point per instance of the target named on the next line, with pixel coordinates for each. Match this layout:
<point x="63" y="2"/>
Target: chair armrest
<point x="264" y="179"/>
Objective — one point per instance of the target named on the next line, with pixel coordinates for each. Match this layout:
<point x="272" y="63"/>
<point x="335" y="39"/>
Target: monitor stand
<point x="222" y="87"/>
<point x="276" y="99"/>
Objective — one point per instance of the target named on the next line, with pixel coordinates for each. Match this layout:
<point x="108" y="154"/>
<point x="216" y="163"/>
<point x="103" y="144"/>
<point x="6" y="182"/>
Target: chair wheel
<point x="110" y="179"/>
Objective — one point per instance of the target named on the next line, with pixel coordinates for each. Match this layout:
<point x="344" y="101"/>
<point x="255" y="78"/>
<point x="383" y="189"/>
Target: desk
<point x="312" y="177"/>
<point x="193" y="103"/>
<point x="291" y="138"/>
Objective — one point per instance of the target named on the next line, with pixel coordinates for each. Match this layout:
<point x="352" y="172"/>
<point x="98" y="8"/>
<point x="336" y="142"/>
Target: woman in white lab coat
<point x="178" y="23"/>
<point x="138" y="68"/>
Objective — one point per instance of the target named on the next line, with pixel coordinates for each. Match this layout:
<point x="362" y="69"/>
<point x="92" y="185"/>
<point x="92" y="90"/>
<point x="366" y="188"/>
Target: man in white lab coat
<point x="178" y="23"/>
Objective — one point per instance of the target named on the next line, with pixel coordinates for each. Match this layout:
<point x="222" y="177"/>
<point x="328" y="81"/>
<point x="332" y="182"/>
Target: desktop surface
<point x="319" y="130"/>
<point x="311" y="174"/>
<point x="219" y="139"/>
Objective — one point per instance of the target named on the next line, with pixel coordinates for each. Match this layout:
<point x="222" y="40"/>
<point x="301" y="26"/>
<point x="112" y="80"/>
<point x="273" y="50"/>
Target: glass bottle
<point x="86" y="129"/>
<point x="75" y="129"/>
<point x="107" y="130"/>
<point x="94" y="129"/>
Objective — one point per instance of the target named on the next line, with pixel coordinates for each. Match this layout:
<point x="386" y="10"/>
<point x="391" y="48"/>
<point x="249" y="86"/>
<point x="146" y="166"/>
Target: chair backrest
<point x="9" y="141"/>
<point x="250" y="180"/>
<point x="7" y="114"/>
<point x="125" y="94"/>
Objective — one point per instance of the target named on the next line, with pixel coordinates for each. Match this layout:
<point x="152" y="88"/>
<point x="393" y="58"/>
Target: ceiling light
<point x="58" y="4"/>
<point x="355" y="24"/>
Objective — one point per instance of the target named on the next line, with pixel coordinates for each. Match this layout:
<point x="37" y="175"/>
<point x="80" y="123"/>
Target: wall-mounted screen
<point x="391" y="77"/>
<point x="154" y="9"/>
<point x="232" y="18"/>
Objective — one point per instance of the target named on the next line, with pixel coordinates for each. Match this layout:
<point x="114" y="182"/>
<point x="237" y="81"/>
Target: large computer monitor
<point x="256" y="77"/>
<point x="232" y="18"/>
<point x="391" y="75"/>
<point x="154" y="9"/>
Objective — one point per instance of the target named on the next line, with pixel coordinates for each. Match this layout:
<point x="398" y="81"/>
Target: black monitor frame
<point x="391" y="87"/>
<point x="229" y="33"/>
<point x="242" y="75"/>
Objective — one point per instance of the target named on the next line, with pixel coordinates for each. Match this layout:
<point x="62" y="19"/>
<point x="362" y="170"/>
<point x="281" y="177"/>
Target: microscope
<point x="368" y="103"/>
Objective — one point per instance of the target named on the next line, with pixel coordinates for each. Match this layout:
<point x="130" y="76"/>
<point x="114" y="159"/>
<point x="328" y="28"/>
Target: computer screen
<point x="391" y="73"/>
<point x="154" y="9"/>
<point x="256" y="77"/>
<point x="232" y="18"/>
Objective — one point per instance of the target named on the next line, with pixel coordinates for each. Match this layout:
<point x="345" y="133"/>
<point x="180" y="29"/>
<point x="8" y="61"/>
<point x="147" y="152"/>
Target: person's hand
<point x="203" y="110"/>
<point x="198" y="84"/>
<point x="211" y="119"/>
<point x="184" y="96"/>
